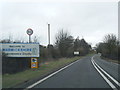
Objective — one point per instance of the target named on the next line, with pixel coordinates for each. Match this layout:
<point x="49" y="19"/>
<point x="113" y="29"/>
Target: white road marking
<point x="110" y="84"/>
<point x="108" y="75"/>
<point x="38" y="82"/>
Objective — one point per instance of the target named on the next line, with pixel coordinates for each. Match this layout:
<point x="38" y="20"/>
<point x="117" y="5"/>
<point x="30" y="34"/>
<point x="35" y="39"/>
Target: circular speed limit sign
<point x="29" y="31"/>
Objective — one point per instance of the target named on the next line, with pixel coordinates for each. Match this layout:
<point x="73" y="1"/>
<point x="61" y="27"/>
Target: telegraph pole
<point x="48" y="34"/>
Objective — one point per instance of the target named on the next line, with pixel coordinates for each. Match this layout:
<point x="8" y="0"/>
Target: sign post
<point x="29" y="32"/>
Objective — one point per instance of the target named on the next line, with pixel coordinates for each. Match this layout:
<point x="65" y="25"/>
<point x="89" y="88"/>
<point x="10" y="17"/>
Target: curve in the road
<point x="84" y="73"/>
<point x="101" y="71"/>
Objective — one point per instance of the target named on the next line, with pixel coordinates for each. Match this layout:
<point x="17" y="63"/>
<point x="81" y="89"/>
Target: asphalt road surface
<point x="83" y="74"/>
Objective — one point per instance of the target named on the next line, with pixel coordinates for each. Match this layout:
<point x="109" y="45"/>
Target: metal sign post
<point x="29" y="39"/>
<point x="34" y="61"/>
<point x="29" y="32"/>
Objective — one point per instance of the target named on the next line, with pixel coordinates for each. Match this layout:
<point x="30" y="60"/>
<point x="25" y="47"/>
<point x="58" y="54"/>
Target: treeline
<point x="64" y="46"/>
<point x="110" y="47"/>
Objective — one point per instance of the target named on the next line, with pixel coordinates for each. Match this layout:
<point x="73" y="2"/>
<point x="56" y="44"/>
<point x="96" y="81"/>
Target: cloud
<point x="88" y="19"/>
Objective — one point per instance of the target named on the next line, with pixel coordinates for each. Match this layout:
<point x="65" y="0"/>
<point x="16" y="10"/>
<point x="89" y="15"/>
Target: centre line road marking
<point x="38" y="82"/>
<point x="105" y="78"/>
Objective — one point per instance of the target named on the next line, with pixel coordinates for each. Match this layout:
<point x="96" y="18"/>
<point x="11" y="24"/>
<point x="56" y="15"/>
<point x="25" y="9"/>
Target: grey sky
<point x="92" y="20"/>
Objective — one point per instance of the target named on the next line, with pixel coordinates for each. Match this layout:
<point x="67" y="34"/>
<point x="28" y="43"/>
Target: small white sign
<point x="76" y="53"/>
<point x="21" y="49"/>
<point x="34" y="60"/>
<point x="33" y="65"/>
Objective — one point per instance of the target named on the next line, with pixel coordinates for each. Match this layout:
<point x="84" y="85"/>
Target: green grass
<point x="111" y="60"/>
<point x="11" y="80"/>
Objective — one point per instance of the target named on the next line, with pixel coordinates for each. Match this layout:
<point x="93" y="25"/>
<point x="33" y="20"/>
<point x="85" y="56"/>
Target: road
<point x="82" y="74"/>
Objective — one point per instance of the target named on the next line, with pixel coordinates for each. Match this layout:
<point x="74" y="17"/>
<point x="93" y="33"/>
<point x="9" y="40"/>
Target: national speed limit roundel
<point x="29" y="31"/>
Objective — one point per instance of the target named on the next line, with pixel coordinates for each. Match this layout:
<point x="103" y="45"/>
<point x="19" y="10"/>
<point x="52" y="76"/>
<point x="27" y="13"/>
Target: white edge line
<point x="110" y="84"/>
<point x="31" y="86"/>
<point x="108" y="74"/>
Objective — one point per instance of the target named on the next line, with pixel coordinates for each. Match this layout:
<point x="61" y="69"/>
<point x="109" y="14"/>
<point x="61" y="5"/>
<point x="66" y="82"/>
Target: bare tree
<point x="36" y="39"/>
<point x="63" y="42"/>
<point x="109" y="47"/>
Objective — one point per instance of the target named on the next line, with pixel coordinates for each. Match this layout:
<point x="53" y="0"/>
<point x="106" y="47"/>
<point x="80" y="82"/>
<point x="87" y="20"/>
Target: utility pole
<point x="48" y="34"/>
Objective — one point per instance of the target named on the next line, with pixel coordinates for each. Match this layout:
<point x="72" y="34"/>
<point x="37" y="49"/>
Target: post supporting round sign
<point x="29" y="32"/>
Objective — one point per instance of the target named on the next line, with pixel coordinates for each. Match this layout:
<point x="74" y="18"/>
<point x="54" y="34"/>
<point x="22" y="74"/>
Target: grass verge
<point x="111" y="60"/>
<point x="10" y="80"/>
